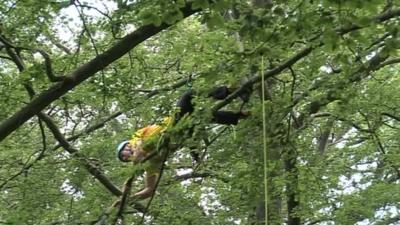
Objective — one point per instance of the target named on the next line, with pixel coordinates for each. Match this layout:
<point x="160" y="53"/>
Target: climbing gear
<point x="120" y="148"/>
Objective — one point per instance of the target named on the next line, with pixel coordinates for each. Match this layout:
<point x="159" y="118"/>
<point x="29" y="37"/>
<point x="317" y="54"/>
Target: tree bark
<point x="292" y="201"/>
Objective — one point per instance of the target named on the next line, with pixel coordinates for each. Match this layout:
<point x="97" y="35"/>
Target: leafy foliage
<point x="332" y="114"/>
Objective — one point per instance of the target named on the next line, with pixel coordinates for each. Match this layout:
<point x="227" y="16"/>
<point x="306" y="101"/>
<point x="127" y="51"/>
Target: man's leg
<point x="185" y="105"/>
<point x="228" y="117"/>
<point x="221" y="117"/>
<point x="222" y="92"/>
<point x="225" y="117"/>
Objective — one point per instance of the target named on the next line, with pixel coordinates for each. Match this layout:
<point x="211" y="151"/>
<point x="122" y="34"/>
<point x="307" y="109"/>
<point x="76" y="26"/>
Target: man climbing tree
<point x="146" y="141"/>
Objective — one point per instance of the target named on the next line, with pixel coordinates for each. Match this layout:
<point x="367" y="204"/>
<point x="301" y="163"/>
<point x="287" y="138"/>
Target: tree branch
<point x="255" y="79"/>
<point x="377" y="19"/>
<point x="124" y="198"/>
<point x="298" y="56"/>
<point x="82" y="73"/>
<point x="388" y="62"/>
<point x="176" y="85"/>
<point x="59" y="45"/>
<point x="92" y="169"/>
<point x="49" y="68"/>
<point x="391" y="116"/>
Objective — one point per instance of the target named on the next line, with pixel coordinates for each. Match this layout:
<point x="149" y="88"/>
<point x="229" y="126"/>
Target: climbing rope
<point x="264" y="140"/>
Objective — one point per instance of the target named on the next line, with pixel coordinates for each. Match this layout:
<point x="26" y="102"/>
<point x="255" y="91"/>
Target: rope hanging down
<point x="264" y="140"/>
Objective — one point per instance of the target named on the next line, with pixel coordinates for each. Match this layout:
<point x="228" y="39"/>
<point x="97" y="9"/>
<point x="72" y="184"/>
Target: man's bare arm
<point x="150" y="185"/>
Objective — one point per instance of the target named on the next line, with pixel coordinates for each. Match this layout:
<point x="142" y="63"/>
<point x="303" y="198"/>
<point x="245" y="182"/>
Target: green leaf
<point x="200" y="4"/>
<point x="330" y="39"/>
<point x="180" y="3"/>
<point x="171" y="17"/>
<point x="150" y="18"/>
<point x="221" y="5"/>
<point x="215" y="20"/>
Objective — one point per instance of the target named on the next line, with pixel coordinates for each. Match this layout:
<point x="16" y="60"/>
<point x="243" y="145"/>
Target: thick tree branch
<point x="292" y="193"/>
<point x="15" y="58"/>
<point x="388" y="62"/>
<point x="391" y="116"/>
<point x="124" y="198"/>
<point x="379" y="40"/>
<point x="255" y="79"/>
<point x="377" y="19"/>
<point x="92" y="169"/>
<point x="298" y="56"/>
<point x="57" y="134"/>
<point x="82" y="73"/>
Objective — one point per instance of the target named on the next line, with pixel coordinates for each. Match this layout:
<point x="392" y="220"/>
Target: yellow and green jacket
<point x="150" y="136"/>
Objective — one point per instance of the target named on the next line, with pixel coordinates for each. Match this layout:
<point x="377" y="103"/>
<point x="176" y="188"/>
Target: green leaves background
<point x="332" y="117"/>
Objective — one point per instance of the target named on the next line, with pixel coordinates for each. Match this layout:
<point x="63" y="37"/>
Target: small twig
<point x="379" y="40"/>
<point x="86" y="28"/>
<point x="379" y="144"/>
<point x="49" y="69"/>
<point x="59" y="45"/>
<point x="24" y="169"/>
<point x="43" y="139"/>
<point x="28" y="165"/>
<point x="194" y="175"/>
<point x="124" y="197"/>
<point x="96" y="9"/>
<point x="176" y="85"/>
<point x="208" y="143"/>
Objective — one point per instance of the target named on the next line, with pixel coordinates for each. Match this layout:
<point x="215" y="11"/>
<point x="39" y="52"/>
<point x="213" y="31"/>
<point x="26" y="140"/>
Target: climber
<point x="145" y="141"/>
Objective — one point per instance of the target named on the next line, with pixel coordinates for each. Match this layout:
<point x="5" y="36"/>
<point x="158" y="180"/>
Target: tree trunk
<point x="293" y="202"/>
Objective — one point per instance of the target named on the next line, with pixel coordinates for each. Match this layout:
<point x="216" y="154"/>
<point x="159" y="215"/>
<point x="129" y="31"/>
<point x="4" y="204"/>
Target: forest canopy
<point x="317" y="80"/>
